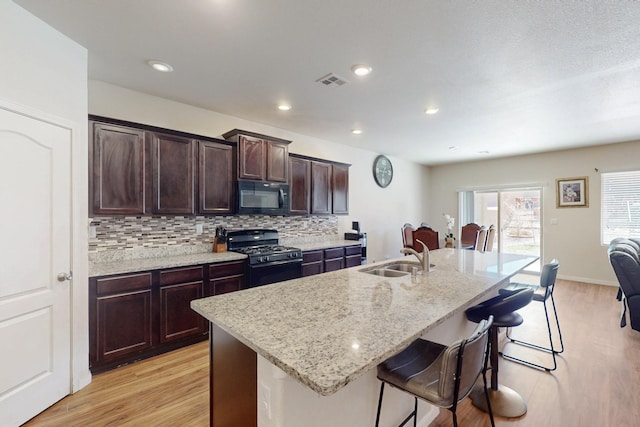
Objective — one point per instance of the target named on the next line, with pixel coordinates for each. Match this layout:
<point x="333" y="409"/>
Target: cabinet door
<point x="251" y="158"/>
<point x="173" y="179"/>
<point x="119" y="317"/>
<point x="299" y="186"/>
<point x="118" y="174"/>
<point x="277" y="161"/>
<point x="178" y="287"/>
<point x="340" y="189"/>
<point x="226" y="277"/>
<point x="225" y="285"/>
<point x="215" y="172"/>
<point x="320" y="188"/>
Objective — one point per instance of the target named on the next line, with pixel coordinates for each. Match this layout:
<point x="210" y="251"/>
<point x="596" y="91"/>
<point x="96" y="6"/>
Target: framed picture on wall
<point x="572" y="192"/>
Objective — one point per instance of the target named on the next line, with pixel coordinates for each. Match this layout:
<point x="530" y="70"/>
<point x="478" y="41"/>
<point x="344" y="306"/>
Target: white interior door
<point x="35" y="246"/>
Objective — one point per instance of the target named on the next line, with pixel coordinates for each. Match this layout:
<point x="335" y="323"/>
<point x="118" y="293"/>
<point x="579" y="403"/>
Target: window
<point x="620" y="216"/>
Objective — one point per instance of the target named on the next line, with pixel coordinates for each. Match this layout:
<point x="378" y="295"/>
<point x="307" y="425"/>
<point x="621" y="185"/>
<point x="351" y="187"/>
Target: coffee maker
<point x="355" y="234"/>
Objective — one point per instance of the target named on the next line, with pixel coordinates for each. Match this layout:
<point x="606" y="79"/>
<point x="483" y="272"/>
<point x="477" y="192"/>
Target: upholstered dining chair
<point x="441" y="375"/>
<point x="491" y="235"/>
<point x="468" y="235"/>
<point x="481" y="240"/>
<point x="407" y="235"/>
<point x="429" y="236"/>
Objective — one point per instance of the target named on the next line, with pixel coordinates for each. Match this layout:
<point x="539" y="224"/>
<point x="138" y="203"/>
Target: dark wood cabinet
<point x="260" y="157"/>
<point x="173" y="174"/>
<point x="120" y="317"/>
<point x="320" y="188"/>
<point x="340" y="189"/>
<point x="178" y="287"/>
<point x="333" y="259"/>
<point x="352" y="256"/>
<point x="215" y="178"/>
<point x="312" y="263"/>
<point x="226" y="277"/>
<point x="138" y="315"/>
<point x="299" y="186"/>
<point x="118" y="176"/>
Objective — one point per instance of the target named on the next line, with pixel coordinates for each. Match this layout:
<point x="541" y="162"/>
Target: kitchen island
<point x="318" y="339"/>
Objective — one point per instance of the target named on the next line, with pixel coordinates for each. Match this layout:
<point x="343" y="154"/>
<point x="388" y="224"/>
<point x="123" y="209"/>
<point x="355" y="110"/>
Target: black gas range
<point x="268" y="261"/>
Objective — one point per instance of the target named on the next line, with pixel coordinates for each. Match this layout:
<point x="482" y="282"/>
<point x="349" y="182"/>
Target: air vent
<point x="332" y="80"/>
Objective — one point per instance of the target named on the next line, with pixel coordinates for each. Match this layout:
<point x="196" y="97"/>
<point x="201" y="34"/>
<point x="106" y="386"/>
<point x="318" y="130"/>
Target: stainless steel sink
<point x="396" y="269"/>
<point x="385" y="272"/>
<point x="405" y="266"/>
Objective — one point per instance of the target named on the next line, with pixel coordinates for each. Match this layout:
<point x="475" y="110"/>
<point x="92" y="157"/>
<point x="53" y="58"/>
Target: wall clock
<point x="382" y="171"/>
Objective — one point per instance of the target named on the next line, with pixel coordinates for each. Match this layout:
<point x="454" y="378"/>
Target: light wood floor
<point x="597" y="382"/>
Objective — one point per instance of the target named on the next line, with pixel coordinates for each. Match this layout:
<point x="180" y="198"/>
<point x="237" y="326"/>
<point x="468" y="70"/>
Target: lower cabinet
<point x="227" y="277"/>
<point x="330" y="259"/>
<point x="178" y="287"/>
<point x="138" y="315"/>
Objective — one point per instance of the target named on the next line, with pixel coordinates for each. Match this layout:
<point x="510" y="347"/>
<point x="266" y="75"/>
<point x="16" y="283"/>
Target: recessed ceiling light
<point x="284" y="107"/>
<point x="361" y="70"/>
<point x="356" y="131"/>
<point x="431" y="110"/>
<point x="483" y="152"/>
<point x="160" y="66"/>
<point x="453" y="147"/>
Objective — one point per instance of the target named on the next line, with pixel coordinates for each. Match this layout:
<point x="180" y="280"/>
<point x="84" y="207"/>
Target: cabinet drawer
<point x="333" y="253"/>
<point x="226" y="269"/>
<point x="353" y="250"/>
<point x="114" y="285"/>
<point x="333" y="264"/>
<point x="180" y="275"/>
<point x="311" y="256"/>
<point x="309" y="269"/>
<point x="352" y="260"/>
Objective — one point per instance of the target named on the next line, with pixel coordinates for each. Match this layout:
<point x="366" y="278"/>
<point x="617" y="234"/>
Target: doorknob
<point x="64" y="276"/>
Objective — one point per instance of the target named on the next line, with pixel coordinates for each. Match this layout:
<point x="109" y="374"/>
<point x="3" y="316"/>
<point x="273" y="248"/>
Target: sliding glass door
<point x="516" y="212"/>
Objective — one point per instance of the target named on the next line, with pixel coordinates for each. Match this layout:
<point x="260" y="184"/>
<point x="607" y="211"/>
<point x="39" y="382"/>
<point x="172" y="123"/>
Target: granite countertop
<point x="122" y="262"/>
<point x="132" y="265"/>
<point x="327" y="330"/>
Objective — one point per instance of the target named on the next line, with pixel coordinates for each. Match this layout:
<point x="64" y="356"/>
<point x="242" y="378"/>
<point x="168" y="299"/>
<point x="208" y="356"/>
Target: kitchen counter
<point x="105" y="268"/>
<point x="329" y="329"/>
<point x="143" y="260"/>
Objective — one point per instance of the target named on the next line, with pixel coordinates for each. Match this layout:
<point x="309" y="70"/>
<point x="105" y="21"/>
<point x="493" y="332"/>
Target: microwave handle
<point x="280" y="198"/>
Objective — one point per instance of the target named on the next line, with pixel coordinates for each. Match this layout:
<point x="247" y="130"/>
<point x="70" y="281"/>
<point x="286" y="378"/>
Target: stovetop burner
<point x="264" y="249"/>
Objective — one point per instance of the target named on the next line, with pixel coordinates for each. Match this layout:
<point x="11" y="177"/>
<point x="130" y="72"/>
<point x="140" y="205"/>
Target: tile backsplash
<point x="152" y="232"/>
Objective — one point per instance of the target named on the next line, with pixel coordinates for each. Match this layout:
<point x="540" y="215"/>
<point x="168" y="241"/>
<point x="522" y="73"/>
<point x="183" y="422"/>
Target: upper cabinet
<point x="142" y="170"/>
<point x="260" y="157"/>
<point x="118" y="176"/>
<point x="173" y="179"/>
<point x="318" y="187"/>
<point x="215" y="178"/>
<point x="299" y="185"/>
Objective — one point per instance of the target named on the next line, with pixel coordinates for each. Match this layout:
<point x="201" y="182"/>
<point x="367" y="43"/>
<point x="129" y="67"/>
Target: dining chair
<point x="407" y="235"/>
<point x="491" y="234"/>
<point x="441" y="375"/>
<point x="429" y="236"/>
<point x="481" y="240"/>
<point x="542" y="293"/>
<point x="468" y="235"/>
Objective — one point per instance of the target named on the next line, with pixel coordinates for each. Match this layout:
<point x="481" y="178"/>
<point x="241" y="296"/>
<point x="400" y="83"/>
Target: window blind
<point x="620" y="216"/>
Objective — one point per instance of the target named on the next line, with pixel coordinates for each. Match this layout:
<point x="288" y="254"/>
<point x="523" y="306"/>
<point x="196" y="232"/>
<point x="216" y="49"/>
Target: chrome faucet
<point x="424" y="259"/>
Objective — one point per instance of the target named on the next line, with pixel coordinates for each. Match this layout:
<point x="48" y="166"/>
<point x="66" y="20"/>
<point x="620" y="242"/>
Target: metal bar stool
<point x="542" y="293"/>
<point x="438" y="374"/>
<point x="502" y="400"/>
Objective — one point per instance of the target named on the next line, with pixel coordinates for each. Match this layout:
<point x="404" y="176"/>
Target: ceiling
<point x="508" y="77"/>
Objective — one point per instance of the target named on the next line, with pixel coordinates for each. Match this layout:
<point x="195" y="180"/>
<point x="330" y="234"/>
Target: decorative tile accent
<point x="152" y="235"/>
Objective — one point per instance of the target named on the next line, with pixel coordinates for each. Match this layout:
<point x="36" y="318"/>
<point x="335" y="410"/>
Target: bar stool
<point x="504" y="401"/>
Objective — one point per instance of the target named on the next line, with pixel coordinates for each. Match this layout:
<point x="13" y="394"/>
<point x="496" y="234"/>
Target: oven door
<point x="272" y="272"/>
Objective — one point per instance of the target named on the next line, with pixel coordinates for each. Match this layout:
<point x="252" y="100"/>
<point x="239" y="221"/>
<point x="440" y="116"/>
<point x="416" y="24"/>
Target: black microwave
<point x="263" y="198"/>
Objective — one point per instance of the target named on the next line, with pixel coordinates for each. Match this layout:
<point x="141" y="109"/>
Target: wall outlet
<point x="92" y="231"/>
<point x="199" y="229"/>
<point x="265" y="400"/>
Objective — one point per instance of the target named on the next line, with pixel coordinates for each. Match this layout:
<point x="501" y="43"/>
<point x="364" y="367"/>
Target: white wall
<point x="46" y="72"/>
<point x="575" y="239"/>
<point x="381" y="212"/>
